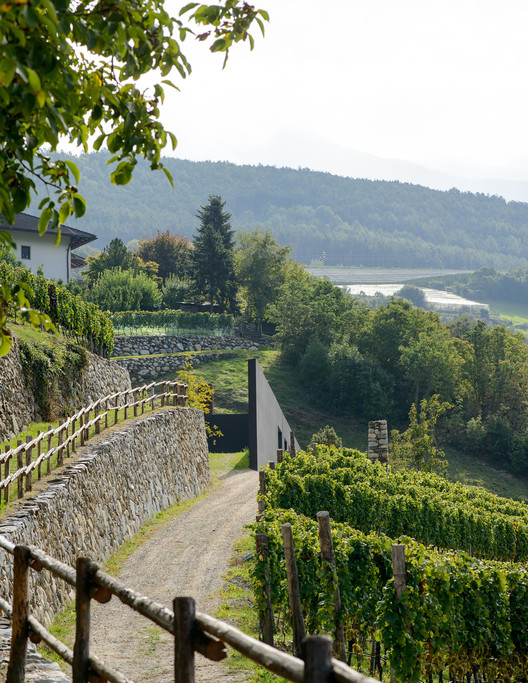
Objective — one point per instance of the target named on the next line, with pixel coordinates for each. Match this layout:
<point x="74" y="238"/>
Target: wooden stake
<point x="266" y="615"/>
<point x="39" y="452"/>
<point x="327" y="555"/>
<point x="48" y="460"/>
<point x="29" y="475"/>
<point x="184" y="610"/>
<point x="299" y="632"/>
<point x="81" y="429"/>
<point x="81" y="650"/>
<point x="135" y="399"/>
<point x="17" y="659"/>
<point x="400" y="580"/>
<point x="318" y="660"/>
<point x="20" y="464"/>
<point x="292" y="444"/>
<point x="6" y="474"/>
<point x="96" y="415"/>
<point x="60" y="458"/>
<point x="279" y="455"/>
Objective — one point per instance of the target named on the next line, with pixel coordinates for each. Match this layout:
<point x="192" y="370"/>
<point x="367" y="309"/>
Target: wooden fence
<point x="192" y="631"/>
<point x="77" y="429"/>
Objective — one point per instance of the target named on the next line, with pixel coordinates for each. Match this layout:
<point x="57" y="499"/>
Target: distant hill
<point x="352" y="221"/>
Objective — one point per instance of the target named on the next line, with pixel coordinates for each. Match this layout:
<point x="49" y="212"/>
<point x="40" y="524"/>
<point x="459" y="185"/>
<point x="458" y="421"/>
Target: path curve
<point x="187" y="556"/>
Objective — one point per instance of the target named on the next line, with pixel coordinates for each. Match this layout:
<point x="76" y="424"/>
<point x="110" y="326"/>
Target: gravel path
<point x="187" y="556"/>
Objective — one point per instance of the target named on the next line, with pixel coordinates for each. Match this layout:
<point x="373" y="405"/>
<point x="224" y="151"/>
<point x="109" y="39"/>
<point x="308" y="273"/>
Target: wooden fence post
<point x="262" y="490"/>
<point x="60" y="450"/>
<point x="97" y="410"/>
<point x="327" y="555"/>
<point x="318" y="659"/>
<point x="266" y="615"/>
<point x="16" y="670"/>
<point x="163" y="391"/>
<point x="299" y="632"/>
<point x="279" y="455"/>
<point x="50" y="437"/>
<point x="81" y="648"/>
<point x="29" y="475"/>
<point x="81" y="428"/>
<point x="135" y="399"/>
<point x="106" y="413"/>
<point x="39" y="453"/>
<point x="292" y="444"/>
<point x="20" y="464"/>
<point x="7" y="466"/>
<point x="400" y="580"/>
<point x="184" y="610"/>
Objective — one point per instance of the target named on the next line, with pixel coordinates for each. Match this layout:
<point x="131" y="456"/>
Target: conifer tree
<point x="213" y="268"/>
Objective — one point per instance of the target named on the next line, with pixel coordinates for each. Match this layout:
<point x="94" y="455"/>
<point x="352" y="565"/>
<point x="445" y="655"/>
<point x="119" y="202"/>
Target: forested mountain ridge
<point x="353" y="221"/>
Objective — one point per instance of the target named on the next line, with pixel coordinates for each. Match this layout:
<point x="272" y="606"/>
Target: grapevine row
<point x="174" y="320"/>
<point x="457" y="613"/>
<point x="71" y="312"/>
<point x="370" y="497"/>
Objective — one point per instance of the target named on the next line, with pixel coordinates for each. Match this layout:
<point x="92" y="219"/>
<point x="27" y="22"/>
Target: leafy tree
<point x="115" y="255"/>
<point x="413" y="294"/>
<point x="212" y="256"/>
<point x="175" y="290"/>
<point x="170" y="252"/>
<point x="261" y="268"/>
<point x="69" y="71"/>
<point x="326" y="436"/>
<point x="122" y="290"/>
<point x="415" y="447"/>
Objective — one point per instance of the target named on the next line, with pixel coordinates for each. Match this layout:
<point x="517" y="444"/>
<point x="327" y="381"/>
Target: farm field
<point x="341" y="275"/>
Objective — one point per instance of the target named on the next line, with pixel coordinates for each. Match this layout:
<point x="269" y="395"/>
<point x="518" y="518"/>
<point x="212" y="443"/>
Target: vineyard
<point x="460" y="616"/>
<point x="137" y="322"/>
<point x="76" y="317"/>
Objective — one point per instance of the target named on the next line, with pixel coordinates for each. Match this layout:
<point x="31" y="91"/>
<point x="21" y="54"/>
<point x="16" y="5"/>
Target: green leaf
<point x="186" y="8"/>
<point x="44" y="219"/>
<point x="33" y="80"/>
<point x="64" y="212"/>
<point x="6" y="341"/>
<point x="73" y="168"/>
<point x="79" y="205"/>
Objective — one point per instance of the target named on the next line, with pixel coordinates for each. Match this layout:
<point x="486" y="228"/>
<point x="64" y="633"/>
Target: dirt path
<point x="187" y="556"/>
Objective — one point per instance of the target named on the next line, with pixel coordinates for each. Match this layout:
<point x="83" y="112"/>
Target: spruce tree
<point x="212" y="258"/>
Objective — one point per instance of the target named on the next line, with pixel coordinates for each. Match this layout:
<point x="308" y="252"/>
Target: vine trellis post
<point x="294" y="593"/>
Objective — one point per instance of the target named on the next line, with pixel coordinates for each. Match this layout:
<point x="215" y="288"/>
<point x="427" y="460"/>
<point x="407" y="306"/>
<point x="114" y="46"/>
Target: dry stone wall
<point x="144" y="368"/>
<point x="144" y="345"/>
<point x="92" y="506"/>
<point x="17" y="405"/>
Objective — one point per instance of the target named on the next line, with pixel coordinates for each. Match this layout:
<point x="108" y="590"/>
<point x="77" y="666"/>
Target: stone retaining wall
<point x="142" y="369"/>
<point x="93" y="505"/>
<point x="144" y="345"/>
<point x="17" y="405"/>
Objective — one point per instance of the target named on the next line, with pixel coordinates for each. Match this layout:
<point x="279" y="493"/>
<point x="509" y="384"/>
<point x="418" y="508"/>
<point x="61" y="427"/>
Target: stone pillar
<point x="378" y="441"/>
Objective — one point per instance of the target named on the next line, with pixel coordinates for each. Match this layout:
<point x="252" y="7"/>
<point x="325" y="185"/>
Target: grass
<point x="229" y="379"/>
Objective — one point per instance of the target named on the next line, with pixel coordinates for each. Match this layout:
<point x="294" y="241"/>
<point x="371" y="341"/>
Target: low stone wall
<point x="142" y="369"/>
<point x="144" y="345"/>
<point x="92" y="506"/>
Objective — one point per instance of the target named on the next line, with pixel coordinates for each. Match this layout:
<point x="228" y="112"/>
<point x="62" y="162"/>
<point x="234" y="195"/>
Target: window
<point x="25" y="252"/>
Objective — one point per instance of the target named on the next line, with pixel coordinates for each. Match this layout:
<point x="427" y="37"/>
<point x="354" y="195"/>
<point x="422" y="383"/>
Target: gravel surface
<point x="187" y="556"/>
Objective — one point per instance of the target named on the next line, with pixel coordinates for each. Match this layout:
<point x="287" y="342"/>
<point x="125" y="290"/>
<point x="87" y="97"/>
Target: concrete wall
<point x="268" y="428"/>
<point x="92" y="506"/>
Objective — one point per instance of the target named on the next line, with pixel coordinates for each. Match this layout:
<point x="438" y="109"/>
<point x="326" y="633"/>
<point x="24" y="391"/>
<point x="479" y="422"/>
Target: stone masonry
<point x="378" y="441"/>
<point x="144" y="345"/>
<point x="93" y="505"/>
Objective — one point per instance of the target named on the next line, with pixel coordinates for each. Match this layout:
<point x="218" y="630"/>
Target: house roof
<point x="24" y="222"/>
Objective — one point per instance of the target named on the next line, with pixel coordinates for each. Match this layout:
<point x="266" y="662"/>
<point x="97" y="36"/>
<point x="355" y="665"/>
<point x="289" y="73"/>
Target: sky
<point x="338" y="85"/>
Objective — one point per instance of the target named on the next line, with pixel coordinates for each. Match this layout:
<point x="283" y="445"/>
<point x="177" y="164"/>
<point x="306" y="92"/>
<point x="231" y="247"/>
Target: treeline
<point x="486" y="284"/>
<point x="459" y="617"/>
<point x="351" y="221"/>
<point x="375" y="363"/>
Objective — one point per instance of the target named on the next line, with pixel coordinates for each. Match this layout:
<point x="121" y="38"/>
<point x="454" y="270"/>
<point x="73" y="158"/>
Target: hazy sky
<point x="440" y="83"/>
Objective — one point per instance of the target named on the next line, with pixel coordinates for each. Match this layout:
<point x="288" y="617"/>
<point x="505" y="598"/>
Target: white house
<point x="34" y="250"/>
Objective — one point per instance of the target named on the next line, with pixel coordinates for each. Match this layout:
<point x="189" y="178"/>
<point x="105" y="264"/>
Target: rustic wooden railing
<point x="77" y="429"/>
<point x="192" y="631"/>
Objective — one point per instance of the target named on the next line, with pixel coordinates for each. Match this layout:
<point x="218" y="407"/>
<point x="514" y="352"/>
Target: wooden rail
<point x="77" y="429"/>
<point x="192" y="631"/>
